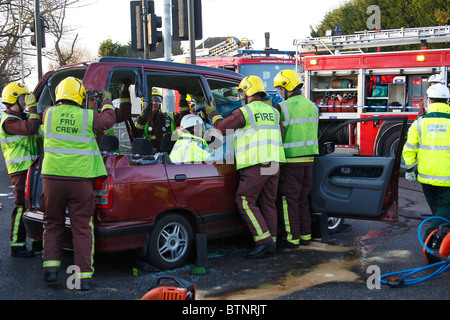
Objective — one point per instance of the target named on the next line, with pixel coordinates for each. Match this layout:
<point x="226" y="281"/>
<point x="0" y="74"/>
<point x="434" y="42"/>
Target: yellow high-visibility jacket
<point x="428" y="146"/>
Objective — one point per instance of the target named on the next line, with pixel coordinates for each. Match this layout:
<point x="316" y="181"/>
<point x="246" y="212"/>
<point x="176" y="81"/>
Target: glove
<point x="410" y="176"/>
<point x="30" y="100"/>
<point x="106" y="95"/>
<point x="210" y="108"/>
<point x="146" y="111"/>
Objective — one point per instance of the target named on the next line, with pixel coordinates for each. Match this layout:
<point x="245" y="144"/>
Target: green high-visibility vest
<point x="428" y="145"/>
<point x="259" y="141"/>
<point x="70" y="147"/>
<point x="19" y="151"/>
<point x="300" y="119"/>
<point x="189" y="148"/>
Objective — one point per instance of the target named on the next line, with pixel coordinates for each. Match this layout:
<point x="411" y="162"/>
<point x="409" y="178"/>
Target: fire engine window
<point x="266" y="72"/>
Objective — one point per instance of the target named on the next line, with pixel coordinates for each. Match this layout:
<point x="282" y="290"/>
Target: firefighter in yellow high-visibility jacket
<point x="428" y="146"/>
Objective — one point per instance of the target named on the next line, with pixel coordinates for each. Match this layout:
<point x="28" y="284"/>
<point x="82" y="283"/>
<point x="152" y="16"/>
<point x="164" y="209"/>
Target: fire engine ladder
<point x="228" y="47"/>
<point x="368" y="39"/>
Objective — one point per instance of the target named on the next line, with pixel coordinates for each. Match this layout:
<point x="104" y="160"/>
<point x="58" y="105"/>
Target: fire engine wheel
<point x="335" y="224"/>
<point x="390" y="144"/>
<point x="170" y="242"/>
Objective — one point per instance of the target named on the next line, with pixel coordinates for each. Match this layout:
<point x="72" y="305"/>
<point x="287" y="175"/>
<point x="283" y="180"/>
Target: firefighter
<point x="190" y="146"/>
<point x="20" y="146"/>
<point x="71" y="163"/>
<point x="300" y="121"/>
<point x="258" y="152"/>
<point x="154" y="123"/>
<point x="122" y="113"/>
<point x="428" y="146"/>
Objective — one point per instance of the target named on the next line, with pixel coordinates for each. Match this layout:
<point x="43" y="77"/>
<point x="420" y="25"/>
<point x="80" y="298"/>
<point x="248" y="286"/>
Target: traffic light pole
<point x="191" y="30"/>
<point x="144" y="7"/>
<point x="37" y="26"/>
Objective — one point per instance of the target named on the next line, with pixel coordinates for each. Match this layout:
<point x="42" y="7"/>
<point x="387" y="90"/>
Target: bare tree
<point x="10" y="37"/>
<point x="54" y="13"/>
<point x="63" y="50"/>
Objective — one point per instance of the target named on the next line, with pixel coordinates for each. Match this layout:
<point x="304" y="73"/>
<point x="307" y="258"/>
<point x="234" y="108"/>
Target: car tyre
<point x="170" y="242"/>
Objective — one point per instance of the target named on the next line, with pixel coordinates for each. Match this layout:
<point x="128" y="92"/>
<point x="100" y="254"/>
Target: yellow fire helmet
<point x="157" y="92"/>
<point x="252" y="85"/>
<point x="71" y="89"/>
<point x="12" y="91"/>
<point x="288" y="79"/>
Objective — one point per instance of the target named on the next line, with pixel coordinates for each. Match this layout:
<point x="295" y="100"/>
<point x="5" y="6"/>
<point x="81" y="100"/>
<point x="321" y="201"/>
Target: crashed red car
<point x="149" y="204"/>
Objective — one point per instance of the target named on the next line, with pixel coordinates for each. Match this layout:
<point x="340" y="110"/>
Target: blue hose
<point x="441" y="266"/>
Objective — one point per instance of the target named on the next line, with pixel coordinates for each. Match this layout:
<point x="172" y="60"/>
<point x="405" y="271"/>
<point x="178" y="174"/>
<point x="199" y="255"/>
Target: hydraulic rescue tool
<point x="436" y="249"/>
<point x="170" y="288"/>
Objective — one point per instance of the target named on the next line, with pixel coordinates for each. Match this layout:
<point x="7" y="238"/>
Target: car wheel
<point x="170" y="242"/>
<point x="335" y="224"/>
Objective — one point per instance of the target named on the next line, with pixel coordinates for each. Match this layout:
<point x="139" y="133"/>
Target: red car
<point x="151" y="204"/>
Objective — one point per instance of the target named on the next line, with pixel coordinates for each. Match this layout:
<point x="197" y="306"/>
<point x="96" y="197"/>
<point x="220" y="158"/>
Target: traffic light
<point x="180" y="30"/>
<point x="40" y="33"/>
<point x="154" y="23"/>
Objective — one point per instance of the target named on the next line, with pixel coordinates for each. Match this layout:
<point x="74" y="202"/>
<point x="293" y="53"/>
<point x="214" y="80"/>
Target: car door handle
<point x="180" y="177"/>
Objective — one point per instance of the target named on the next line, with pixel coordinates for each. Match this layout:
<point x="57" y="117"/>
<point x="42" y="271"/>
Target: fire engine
<point x="236" y="55"/>
<point x="346" y="83"/>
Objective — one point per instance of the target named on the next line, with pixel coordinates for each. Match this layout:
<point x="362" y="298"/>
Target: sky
<point x="286" y="20"/>
<point x="98" y="20"/>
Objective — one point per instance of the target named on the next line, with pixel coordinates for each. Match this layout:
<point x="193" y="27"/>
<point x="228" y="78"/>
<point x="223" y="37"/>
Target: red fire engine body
<point x="346" y="83"/>
<point x="262" y="63"/>
<point x="349" y="86"/>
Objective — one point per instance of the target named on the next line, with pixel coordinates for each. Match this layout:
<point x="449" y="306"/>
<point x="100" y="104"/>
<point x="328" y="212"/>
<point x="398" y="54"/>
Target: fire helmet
<point x="12" y="91"/>
<point x="72" y="89"/>
<point x="252" y="85"/>
<point x="288" y="79"/>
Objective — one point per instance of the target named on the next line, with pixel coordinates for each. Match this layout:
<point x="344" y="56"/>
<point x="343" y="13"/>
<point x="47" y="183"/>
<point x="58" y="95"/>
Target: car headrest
<point x="142" y="146"/>
<point x="108" y="143"/>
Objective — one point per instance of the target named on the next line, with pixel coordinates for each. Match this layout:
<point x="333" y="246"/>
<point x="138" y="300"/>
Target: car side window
<point x="225" y="95"/>
<point x="174" y="84"/>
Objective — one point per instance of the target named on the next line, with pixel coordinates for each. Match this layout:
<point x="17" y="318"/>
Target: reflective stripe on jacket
<point x="259" y="141"/>
<point x="428" y="145"/>
<point x="19" y="151"/>
<point x="69" y="145"/>
<point x="189" y="148"/>
<point x="301" y="123"/>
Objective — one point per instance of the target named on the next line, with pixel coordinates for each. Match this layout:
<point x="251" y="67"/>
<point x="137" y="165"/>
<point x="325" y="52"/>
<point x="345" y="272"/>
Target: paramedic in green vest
<point x="153" y="123"/>
<point x="19" y="141"/>
<point x="190" y="146"/>
<point x="300" y="120"/>
<point x="258" y="152"/>
<point x="428" y="147"/>
<point x="72" y="161"/>
<point x="123" y="113"/>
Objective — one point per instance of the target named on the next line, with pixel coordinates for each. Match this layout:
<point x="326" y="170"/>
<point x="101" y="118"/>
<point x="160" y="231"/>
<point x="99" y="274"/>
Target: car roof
<point x="190" y="68"/>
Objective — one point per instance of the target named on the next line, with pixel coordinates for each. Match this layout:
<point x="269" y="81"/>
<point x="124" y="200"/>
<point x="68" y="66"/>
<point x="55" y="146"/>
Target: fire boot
<point x="21" y="252"/>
